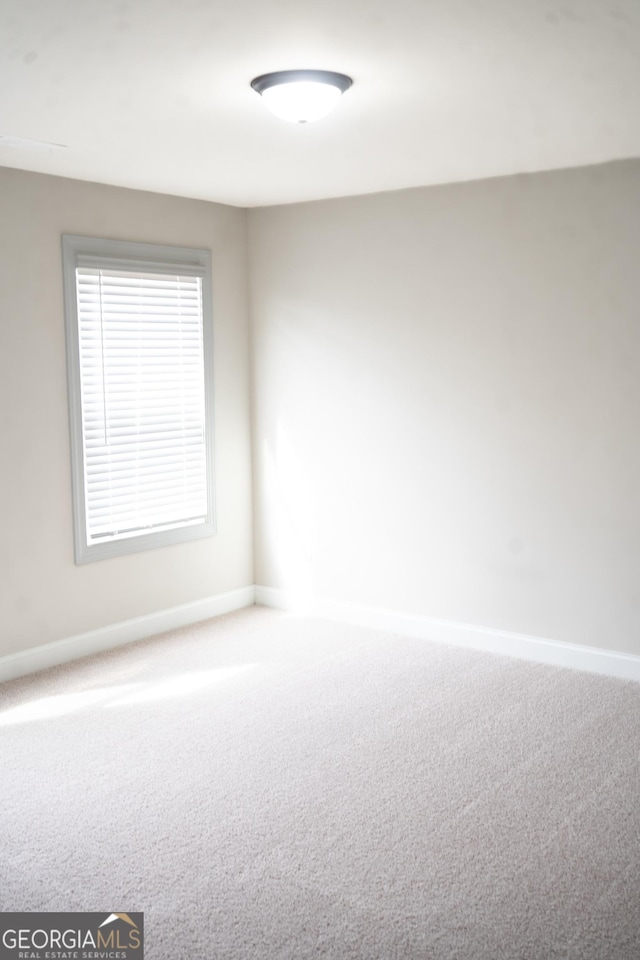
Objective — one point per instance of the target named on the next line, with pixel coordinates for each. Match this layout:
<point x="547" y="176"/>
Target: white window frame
<point x="125" y="255"/>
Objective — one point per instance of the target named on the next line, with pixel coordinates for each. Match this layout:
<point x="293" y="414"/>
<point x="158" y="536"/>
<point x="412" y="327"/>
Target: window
<point x="139" y="361"/>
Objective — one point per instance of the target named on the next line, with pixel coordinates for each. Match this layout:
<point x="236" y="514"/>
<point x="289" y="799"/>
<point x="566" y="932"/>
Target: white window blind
<point x="142" y="414"/>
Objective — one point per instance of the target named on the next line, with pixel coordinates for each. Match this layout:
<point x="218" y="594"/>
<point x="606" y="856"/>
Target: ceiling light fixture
<point x="301" y="96"/>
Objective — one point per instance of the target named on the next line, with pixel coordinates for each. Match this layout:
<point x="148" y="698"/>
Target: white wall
<point x="447" y="391"/>
<point x="43" y="595"/>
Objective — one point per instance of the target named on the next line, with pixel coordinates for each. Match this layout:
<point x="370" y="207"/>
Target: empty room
<point x="320" y="553"/>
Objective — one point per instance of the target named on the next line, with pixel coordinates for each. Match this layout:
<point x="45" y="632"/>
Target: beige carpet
<point x="264" y="786"/>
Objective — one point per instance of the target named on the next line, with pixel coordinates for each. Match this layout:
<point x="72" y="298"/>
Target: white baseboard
<point x="591" y="659"/>
<point x="62" y="651"/>
<point x="557" y="653"/>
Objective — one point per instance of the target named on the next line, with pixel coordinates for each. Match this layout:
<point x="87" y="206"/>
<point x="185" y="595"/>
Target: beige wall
<point x="43" y="595"/>
<point x="447" y="393"/>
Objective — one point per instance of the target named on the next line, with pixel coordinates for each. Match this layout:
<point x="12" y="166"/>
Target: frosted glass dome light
<point x="301" y="96"/>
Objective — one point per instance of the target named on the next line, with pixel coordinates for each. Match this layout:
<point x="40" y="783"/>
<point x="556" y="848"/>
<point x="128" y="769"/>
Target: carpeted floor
<point x="265" y="786"/>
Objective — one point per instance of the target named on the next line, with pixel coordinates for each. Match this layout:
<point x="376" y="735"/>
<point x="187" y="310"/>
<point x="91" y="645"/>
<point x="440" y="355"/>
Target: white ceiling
<point x="155" y="94"/>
